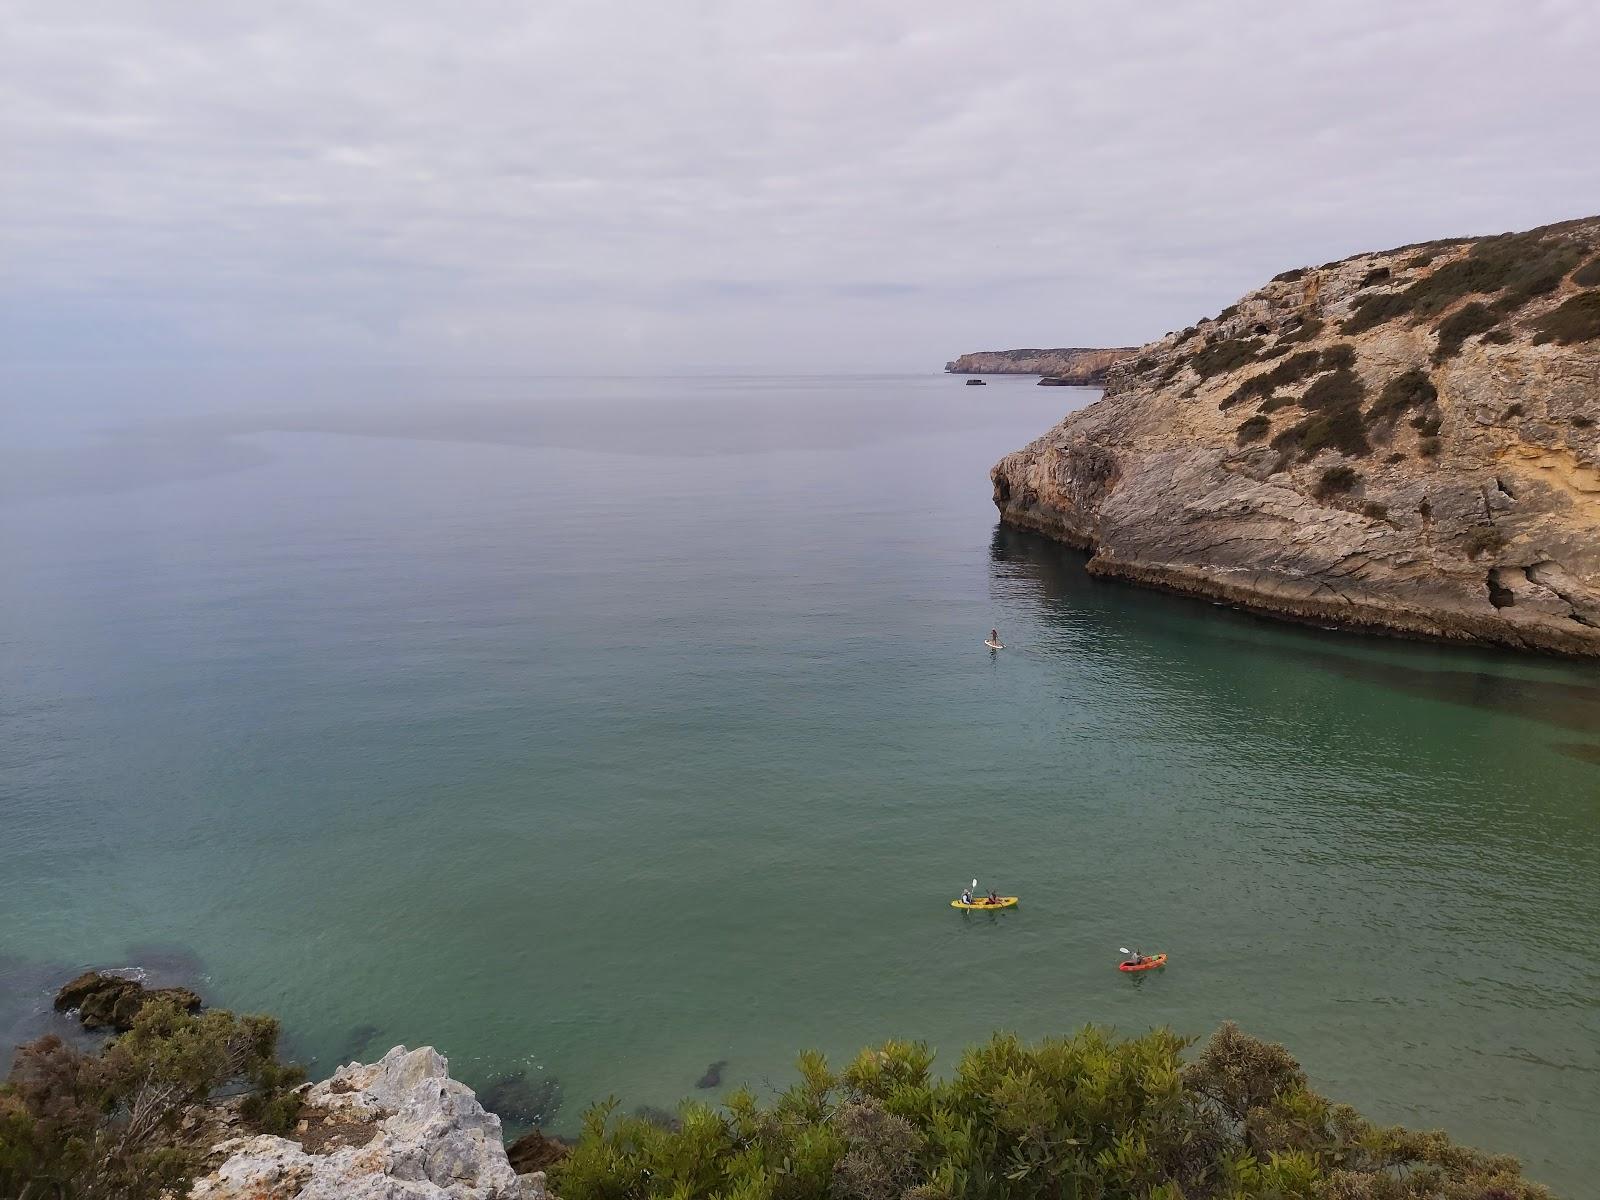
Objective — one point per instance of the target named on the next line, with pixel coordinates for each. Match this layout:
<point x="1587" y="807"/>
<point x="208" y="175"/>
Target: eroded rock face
<point x="399" y="1129"/>
<point x="1406" y="441"/>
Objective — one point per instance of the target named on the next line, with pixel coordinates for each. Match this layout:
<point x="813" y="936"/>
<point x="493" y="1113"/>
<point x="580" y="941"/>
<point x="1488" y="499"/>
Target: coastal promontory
<point x="1405" y="441"/>
<point x="1080" y="365"/>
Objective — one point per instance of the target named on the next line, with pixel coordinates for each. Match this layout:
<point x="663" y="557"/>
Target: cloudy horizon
<point x="840" y="186"/>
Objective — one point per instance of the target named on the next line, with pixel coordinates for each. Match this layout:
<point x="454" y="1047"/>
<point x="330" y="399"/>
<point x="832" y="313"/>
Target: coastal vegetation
<point x="120" y="1124"/>
<point x="1085" y="1117"/>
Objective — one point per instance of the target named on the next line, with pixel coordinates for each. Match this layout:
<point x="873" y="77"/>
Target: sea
<point x="622" y="737"/>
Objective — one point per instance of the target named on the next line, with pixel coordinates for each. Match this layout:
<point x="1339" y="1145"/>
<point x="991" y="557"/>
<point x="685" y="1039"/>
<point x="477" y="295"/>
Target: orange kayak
<point x="1149" y="964"/>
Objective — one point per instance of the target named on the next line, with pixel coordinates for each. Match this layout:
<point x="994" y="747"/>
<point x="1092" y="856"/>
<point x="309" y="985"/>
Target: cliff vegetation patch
<point x="1588" y="275"/>
<point x="1467" y="321"/>
<point x="1577" y="320"/>
<point x="1228" y="354"/>
<point x="1086" y="1116"/>
<point x="1522" y="266"/>
<point x="1253" y="429"/>
<point x="1408" y="390"/>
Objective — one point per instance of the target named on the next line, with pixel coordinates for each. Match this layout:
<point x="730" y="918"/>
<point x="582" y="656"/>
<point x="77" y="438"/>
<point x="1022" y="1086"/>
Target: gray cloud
<point x="729" y="183"/>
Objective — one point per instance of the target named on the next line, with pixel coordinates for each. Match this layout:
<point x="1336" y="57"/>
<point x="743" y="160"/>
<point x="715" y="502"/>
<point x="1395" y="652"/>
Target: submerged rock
<point x="1406" y="441"/>
<point x="516" y="1099"/>
<point x="106" y="1001"/>
<point x="713" y="1076"/>
<point x="399" y="1129"/>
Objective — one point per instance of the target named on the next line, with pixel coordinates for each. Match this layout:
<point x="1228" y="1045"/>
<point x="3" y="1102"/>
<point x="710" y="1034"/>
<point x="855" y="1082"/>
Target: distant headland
<point x="1069" y="366"/>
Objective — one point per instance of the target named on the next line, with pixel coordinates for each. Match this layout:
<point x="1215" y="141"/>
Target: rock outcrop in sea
<point x="398" y="1129"/>
<point x="1070" y="365"/>
<point x="1406" y="441"/>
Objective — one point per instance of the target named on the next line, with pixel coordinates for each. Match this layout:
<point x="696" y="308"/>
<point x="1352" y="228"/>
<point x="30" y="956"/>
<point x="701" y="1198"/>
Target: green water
<point x="606" y="729"/>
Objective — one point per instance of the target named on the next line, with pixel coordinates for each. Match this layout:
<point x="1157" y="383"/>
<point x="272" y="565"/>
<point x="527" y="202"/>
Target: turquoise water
<point x="606" y="729"/>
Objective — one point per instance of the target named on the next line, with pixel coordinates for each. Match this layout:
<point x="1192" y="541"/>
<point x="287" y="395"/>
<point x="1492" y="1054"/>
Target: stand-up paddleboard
<point x="994" y="645"/>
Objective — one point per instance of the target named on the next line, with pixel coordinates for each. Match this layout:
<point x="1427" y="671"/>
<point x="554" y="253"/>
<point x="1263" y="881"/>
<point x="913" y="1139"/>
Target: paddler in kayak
<point x="1136" y="960"/>
<point x="993" y="897"/>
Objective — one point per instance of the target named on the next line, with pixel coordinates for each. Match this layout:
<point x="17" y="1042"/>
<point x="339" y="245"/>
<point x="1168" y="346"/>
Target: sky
<point x="731" y="185"/>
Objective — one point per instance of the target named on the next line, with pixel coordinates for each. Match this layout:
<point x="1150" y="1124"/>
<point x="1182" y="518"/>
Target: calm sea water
<point x="602" y="730"/>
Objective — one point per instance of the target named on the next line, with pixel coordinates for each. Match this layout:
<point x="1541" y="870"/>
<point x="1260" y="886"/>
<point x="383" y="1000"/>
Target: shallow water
<point x="607" y="729"/>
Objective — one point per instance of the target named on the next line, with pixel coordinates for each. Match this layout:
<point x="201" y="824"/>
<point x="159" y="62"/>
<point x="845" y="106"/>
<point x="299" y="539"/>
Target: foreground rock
<point x="1405" y="441"/>
<point x="400" y="1129"/>
<point x="1073" y="365"/>
<point x="104" y="1001"/>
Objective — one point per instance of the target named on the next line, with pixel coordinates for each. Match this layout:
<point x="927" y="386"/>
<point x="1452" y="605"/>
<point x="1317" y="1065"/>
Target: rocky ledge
<point x="1070" y="365"/>
<point x="399" y="1129"/>
<point x="1406" y="441"/>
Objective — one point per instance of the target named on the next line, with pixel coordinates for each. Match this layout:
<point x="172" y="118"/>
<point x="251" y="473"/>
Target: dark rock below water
<point x="536" y="1151"/>
<point x="356" y="1043"/>
<point x="515" y="1100"/>
<point x="713" y="1076"/>
<point x="111" y="1002"/>
<point x="659" y="1117"/>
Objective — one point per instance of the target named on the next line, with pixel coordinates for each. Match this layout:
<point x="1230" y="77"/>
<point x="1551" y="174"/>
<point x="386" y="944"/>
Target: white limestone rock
<point x="408" y="1132"/>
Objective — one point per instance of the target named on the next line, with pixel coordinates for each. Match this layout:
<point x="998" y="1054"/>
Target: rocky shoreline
<point x="1405" y="442"/>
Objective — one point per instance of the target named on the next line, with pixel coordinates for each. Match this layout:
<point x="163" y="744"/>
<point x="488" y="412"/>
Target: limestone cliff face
<point x="1405" y="441"/>
<point x="1078" y="365"/>
<point x="399" y="1129"/>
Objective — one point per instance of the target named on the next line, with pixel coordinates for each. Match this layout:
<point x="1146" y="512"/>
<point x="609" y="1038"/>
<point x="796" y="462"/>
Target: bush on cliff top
<point x="1089" y="1117"/>
<point x="1522" y="265"/>
<point x="1578" y="320"/>
<point x="76" y="1126"/>
<point x="1467" y="321"/>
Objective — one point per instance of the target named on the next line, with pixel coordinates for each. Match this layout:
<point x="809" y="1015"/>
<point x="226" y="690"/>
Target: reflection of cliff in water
<point x="1137" y="625"/>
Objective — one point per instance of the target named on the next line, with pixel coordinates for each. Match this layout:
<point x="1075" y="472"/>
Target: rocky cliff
<point x="399" y="1129"/>
<point x="1080" y="365"/>
<point x="1402" y="441"/>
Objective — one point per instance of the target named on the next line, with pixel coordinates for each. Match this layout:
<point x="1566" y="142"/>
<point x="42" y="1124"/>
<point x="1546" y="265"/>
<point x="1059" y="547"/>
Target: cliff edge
<point x="1403" y="441"/>
<point x="398" y="1129"/>
<point x="1072" y="364"/>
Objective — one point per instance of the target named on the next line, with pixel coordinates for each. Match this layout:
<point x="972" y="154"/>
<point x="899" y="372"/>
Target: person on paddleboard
<point x="994" y="638"/>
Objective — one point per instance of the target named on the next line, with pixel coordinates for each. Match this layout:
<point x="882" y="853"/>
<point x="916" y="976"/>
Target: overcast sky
<point x="733" y="184"/>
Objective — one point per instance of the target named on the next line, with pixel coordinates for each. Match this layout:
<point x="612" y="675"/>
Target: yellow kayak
<point x="984" y="905"/>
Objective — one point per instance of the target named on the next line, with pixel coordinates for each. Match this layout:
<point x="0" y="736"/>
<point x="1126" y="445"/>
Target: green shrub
<point x="1338" y="429"/>
<point x="1291" y="371"/>
<point x="1225" y="355"/>
<point x="1336" y="480"/>
<point x="1254" y="429"/>
<point x="1297" y="273"/>
<point x="1273" y="403"/>
<point x="1588" y="275"/>
<point x="1428" y="447"/>
<point x="1375" y="510"/>
<point x="1467" y="321"/>
<point x="1231" y="310"/>
<point x="1408" y="390"/>
<point x="1427" y="422"/>
<point x="1577" y="320"/>
<point x="1420" y="261"/>
<point x="1497" y="337"/>
<point x="1523" y="265"/>
<point x="1341" y="388"/>
<point x="79" y="1126"/>
<point x="1087" y="1116"/>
